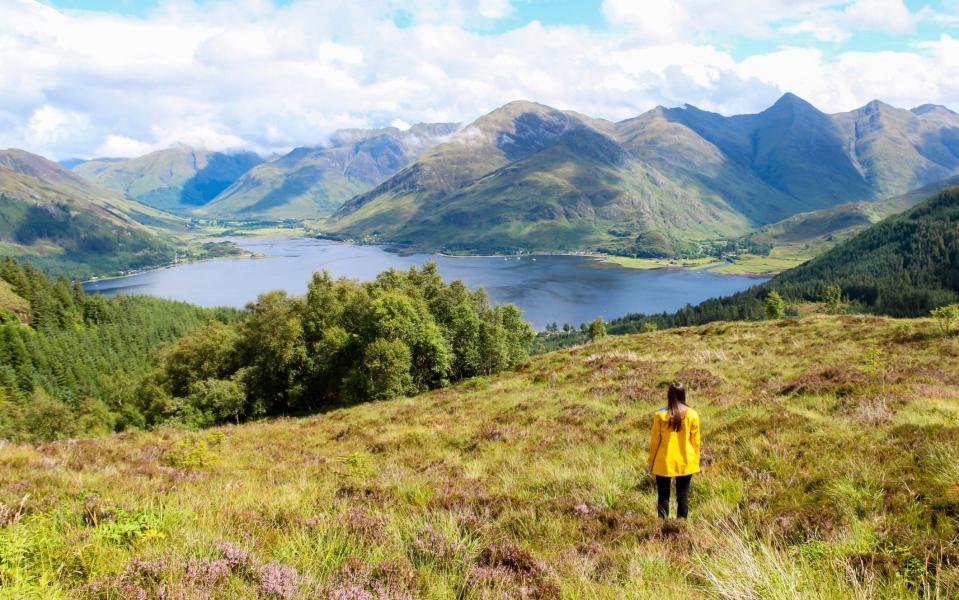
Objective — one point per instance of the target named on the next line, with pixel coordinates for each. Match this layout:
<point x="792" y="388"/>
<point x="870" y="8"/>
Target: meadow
<point x="831" y="446"/>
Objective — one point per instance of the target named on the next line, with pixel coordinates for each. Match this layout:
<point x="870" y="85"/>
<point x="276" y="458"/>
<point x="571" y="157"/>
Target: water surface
<point x="548" y="288"/>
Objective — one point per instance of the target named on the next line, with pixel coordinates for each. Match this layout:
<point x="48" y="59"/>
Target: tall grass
<point x="531" y="484"/>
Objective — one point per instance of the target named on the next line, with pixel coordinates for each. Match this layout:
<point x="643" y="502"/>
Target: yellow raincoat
<point x="674" y="453"/>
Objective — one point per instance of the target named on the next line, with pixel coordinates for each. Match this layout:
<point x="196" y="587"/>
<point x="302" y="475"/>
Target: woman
<point x="674" y="450"/>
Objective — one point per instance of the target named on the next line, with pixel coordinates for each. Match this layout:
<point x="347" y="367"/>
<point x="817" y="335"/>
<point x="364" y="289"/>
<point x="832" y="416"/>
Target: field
<point x="779" y="259"/>
<point x="661" y="263"/>
<point x="831" y="446"/>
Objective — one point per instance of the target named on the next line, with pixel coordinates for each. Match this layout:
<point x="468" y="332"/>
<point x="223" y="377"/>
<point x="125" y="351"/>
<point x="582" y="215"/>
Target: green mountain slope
<point x="177" y="179"/>
<point x="792" y="146"/>
<point x="580" y="190"/>
<point x="66" y="224"/>
<point x="313" y="182"/>
<point x="697" y="164"/>
<point x="680" y="176"/>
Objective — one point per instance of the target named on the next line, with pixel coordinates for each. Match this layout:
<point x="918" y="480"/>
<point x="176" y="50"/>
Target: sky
<point x="84" y="78"/>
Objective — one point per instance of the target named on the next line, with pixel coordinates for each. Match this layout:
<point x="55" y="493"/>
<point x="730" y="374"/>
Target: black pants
<point x="682" y="495"/>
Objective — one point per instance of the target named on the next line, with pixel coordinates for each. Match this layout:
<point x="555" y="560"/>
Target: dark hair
<point x="676" y="405"/>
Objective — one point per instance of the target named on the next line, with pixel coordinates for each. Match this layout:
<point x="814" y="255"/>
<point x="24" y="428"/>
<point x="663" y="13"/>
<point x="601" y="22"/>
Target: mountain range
<point x="530" y="177"/>
<point x="312" y="182"/>
<point x="523" y="177"/>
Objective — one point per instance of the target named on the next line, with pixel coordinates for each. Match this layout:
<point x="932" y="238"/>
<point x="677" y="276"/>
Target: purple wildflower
<point x="350" y="593"/>
<point x="207" y="573"/>
<point x="237" y="559"/>
<point x="279" y="580"/>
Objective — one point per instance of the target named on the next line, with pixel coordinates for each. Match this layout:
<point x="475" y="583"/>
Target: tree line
<point x="70" y="362"/>
<point x="344" y="341"/>
<point x="79" y="364"/>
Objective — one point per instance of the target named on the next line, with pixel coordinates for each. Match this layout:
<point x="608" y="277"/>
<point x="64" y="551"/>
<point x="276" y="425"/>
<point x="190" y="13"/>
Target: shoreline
<point x="599" y="258"/>
<point x="171" y="266"/>
<point x="607" y="259"/>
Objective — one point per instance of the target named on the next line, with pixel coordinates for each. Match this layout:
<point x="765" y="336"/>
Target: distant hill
<point x="841" y="221"/>
<point x="315" y="181"/>
<point x="905" y="265"/>
<point x="177" y="179"/>
<point x="74" y="162"/>
<point x="530" y="177"/>
<point x="66" y="224"/>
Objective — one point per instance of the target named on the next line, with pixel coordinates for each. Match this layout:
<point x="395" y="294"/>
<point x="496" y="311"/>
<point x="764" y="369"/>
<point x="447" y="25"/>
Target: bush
<point x="48" y="419"/>
<point x="832" y="297"/>
<point x="597" y="329"/>
<point x="774" y="306"/>
<point x="948" y="317"/>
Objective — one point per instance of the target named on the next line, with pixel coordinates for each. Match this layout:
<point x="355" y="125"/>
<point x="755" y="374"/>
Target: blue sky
<point x="122" y="77"/>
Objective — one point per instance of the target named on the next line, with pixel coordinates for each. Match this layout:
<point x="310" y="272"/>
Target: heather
<point x="830" y="445"/>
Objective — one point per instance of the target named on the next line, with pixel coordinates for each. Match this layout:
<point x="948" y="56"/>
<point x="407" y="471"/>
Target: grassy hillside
<point x="176" y="179"/>
<point x="13" y="307"/>
<point x="67" y="225"/>
<point x="830" y="452"/>
<point x="313" y="182"/>
<point x="666" y="183"/>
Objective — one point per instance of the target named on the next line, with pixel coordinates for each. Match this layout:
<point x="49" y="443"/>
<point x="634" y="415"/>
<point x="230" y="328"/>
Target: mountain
<point x="177" y="179"/>
<point x="63" y="222"/>
<point x="530" y="177"/>
<point x="313" y="182"/>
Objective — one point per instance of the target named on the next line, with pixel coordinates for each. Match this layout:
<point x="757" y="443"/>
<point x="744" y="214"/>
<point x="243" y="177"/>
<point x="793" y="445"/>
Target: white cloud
<point x="825" y="20"/>
<point x="49" y="127"/>
<point x="654" y="21"/>
<point x="120" y="145"/>
<point x="245" y="73"/>
<point x="881" y="15"/>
